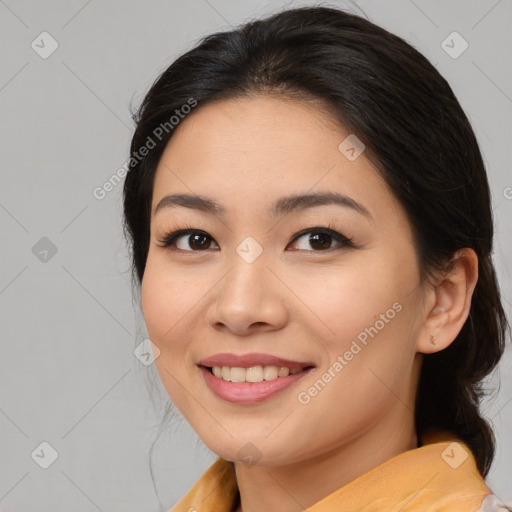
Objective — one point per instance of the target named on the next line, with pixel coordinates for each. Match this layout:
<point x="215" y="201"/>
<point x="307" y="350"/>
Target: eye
<point x="193" y="240"/>
<point x="321" y="239"/>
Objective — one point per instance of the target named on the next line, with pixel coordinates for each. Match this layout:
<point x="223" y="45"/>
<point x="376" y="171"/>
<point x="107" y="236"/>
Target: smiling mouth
<point x="254" y="374"/>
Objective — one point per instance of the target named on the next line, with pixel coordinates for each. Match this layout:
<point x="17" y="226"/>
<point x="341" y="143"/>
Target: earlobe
<point x="451" y="299"/>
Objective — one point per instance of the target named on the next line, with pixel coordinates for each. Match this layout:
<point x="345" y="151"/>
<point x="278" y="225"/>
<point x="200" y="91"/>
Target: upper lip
<point x="248" y="360"/>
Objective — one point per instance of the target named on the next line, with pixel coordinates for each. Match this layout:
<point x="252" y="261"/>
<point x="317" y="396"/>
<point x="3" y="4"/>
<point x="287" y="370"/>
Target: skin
<point x="296" y="300"/>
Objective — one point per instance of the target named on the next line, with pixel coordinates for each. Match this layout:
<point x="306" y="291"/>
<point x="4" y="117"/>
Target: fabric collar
<point x="440" y="475"/>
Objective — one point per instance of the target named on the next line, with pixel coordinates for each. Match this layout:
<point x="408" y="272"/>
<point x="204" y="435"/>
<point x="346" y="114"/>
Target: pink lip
<point x="247" y="393"/>
<point x="248" y="360"/>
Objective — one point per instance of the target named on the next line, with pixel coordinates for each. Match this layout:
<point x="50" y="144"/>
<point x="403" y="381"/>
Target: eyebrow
<point x="280" y="207"/>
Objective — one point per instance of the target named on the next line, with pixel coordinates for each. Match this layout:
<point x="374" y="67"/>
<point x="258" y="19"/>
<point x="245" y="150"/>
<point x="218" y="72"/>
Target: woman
<point x="311" y="228"/>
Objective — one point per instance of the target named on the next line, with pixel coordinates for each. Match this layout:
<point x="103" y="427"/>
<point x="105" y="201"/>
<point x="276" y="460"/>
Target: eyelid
<point x="167" y="241"/>
<point x="336" y="235"/>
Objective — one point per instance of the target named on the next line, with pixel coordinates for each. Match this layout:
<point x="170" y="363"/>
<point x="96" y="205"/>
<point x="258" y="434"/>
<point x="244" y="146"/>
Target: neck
<point x="298" y="486"/>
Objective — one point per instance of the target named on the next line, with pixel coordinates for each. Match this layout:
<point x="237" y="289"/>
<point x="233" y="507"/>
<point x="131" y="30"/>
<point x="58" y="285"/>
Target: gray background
<point x="69" y="326"/>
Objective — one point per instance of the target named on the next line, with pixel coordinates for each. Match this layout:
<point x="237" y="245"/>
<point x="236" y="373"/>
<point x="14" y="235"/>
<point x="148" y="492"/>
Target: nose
<point x="248" y="300"/>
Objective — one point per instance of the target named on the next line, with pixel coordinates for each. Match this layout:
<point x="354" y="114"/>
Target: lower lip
<point x="247" y="393"/>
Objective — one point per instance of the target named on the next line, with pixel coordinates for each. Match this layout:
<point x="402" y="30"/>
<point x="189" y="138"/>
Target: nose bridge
<point x="249" y="250"/>
<point x="248" y="276"/>
<point x="248" y="294"/>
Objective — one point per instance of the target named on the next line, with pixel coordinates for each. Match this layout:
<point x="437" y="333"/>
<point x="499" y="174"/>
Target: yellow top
<point x="439" y="476"/>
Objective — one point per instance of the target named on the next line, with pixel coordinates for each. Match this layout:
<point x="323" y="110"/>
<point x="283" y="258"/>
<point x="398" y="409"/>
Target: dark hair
<point x="416" y="134"/>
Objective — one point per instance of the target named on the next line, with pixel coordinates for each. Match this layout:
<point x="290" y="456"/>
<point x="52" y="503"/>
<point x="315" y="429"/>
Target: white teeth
<point x="283" y="371"/>
<point x="225" y="373"/>
<point x="253" y="374"/>
<point x="270" y="372"/>
<point x="236" y="374"/>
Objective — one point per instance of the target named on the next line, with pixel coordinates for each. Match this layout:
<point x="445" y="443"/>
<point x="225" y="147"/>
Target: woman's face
<point x="262" y="284"/>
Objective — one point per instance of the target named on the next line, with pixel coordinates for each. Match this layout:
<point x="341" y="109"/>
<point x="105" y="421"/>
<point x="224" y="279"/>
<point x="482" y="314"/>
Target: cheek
<point x="368" y="303"/>
<point x="153" y="303"/>
<point x="164" y="304"/>
<point x="165" y="301"/>
<point x="347" y="300"/>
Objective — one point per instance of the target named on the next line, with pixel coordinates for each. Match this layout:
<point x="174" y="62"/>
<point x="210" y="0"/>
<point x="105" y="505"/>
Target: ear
<point x="448" y="303"/>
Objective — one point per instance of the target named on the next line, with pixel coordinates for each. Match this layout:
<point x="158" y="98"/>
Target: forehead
<point x="256" y="122"/>
<point x="262" y="147"/>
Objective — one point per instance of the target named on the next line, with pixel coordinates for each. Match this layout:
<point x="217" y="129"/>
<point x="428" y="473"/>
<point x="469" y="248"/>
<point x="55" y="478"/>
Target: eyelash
<point x="168" y="240"/>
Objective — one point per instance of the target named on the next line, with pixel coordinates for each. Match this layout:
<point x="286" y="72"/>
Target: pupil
<point x="193" y="240"/>
<point x="321" y="238"/>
